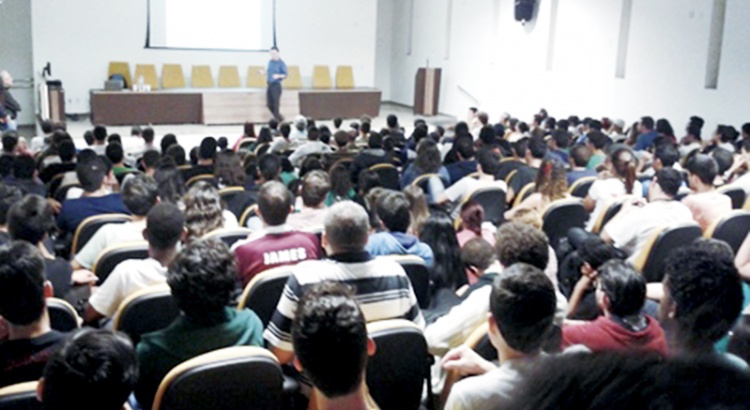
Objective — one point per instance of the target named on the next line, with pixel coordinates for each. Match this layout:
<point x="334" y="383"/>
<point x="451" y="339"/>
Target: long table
<point x="214" y="107"/>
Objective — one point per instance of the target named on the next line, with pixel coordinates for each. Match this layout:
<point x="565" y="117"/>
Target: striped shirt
<point x="381" y="288"/>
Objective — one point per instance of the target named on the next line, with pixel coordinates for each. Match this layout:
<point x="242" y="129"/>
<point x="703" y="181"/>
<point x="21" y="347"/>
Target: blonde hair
<point x="203" y="210"/>
<point x="528" y="217"/>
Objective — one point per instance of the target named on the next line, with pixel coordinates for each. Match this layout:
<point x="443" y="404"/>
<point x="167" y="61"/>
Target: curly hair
<point x="703" y="283"/>
<point x="203" y="211"/>
<point x="517" y="242"/>
<point x="551" y="181"/>
<point x="228" y="169"/>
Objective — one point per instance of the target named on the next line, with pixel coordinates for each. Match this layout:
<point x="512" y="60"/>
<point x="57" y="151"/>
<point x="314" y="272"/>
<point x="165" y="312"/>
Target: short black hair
<point x="522" y="304"/>
<point x="702" y="281"/>
<point x="176" y="152"/>
<point x="164" y="225"/>
<point x="598" y="139"/>
<point x="315" y="187"/>
<point x="88" y="136"/>
<point x="67" y="150"/>
<point x="667" y="154"/>
<point x="274" y="203"/>
<point x="625" y="288"/>
<point x="167" y="141"/>
<point x="9" y="195"/>
<point x="489" y="161"/>
<point x="394" y="211"/>
<point x="93" y="370"/>
<point x="21" y="283"/>
<point x="647" y="122"/>
<point x="518" y="242"/>
<point x="10" y="140"/>
<point x="329" y="334"/>
<point x="581" y="155"/>
<point x="704" y="167"/>
<point x="114" y="138"/>
<point x="375" y="140"/>
<point x="24" y="167"/>
<point x="148" y="135"/>
<point x="285" y="129"/>
<point x="392" y="121"/>
<point x="669" y="180"/>
<point x="91" y="174"/>
<point x="150" y="159"/>
<point x="561" y="138"/>
<point x="207" y="148"/>
<point x="269" y="166"/>
<point x="538" y="147"/>
<point x="464" y="146"/>
<point x="115" y="153"/>
<point x="140" y="194"/>
<point x="202" y="277"/>
<point x="596" y="252"/>
<point x="30" y="219"/>
<point x="724" y="159"/>
<point x="337" y="122"/>
<point x="100" y="133"/>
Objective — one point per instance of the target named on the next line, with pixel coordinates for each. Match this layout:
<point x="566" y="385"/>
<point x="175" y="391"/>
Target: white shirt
<point x="107" y="236"/>
<point x="127" y="277"/>
<point x="606" y="191"/>
<point x="310" y="147"/>
<point x="631" y="231"/>
<point x="230" y="220"/>
<point x="492" y="390"/>
<point x="466" y="185"/>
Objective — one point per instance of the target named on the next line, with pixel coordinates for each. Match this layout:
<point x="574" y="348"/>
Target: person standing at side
<point x="275" y="73"/>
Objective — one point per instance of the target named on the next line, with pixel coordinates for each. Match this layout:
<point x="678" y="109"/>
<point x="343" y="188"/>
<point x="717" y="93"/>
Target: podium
<point x="427" y="91"/>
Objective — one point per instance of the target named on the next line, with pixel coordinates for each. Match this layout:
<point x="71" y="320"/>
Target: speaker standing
<point x="275" y="73"/>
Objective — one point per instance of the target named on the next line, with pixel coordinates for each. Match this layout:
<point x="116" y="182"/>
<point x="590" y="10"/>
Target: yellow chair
<point x="148" y="72"/>
<point x="201" y="77"/>
<point x="122" y="68"/>
<point x="172" y="76"/>
<point x="293" y="80"/>
<point x="321" y="78"/>
<point x="229" y="77"/>
<point x="344" y="77"/>
<point x="255" y="77"/>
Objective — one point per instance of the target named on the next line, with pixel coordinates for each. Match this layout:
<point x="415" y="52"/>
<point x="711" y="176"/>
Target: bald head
<point x="346" y="227"/>
<point x="274" y="203"/>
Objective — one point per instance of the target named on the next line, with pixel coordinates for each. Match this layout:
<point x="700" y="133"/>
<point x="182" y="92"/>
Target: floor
<point x="190" y="135"/>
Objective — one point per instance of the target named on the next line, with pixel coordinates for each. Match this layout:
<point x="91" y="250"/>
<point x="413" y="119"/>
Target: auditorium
<point x="374" y="204"/>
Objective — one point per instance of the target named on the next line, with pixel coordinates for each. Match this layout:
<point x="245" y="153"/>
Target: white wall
<point x="505" y="66"/>
<point x="383" y="45"/>
<point x="80" y="37"/>
<point x="15" y="55"/>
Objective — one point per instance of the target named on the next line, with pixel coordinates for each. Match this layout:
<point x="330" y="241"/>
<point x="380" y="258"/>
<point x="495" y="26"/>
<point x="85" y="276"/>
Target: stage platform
<point x="225" y="107"/>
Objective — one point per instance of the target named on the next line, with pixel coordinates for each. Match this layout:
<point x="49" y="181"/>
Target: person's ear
<point x="324" y="242"/>
<point x="371" y="347"/>
<point x="145" y="234"/>
<point x="297" y="364"/>
<point x="40" y="390"/>
<point x="183" y="235"/>
<point x="49" y="291"/>
<point x="493" y="325"/>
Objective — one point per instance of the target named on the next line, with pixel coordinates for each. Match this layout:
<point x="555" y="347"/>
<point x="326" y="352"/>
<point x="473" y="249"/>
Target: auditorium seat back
<point x="321" y="79"/>
<point x="418" y="274"/>
<point x="293" y="80"/>
<point x="255" y="77"/>
<point x="650" y="262"/>
<point x="229" y="77"/>
<point x="109" y="258"/>
<point x="122" y="68"/>
<point x="736" y="194"/>
<point x="21" y="396"/>
<point x="148" y="72"/>
<point x="344" y="77"/>
<point x="492" y="200"/>
<point x="732" y="229"/>
<point x="388" y="174"/>
<point x="231" y="378"/>
<point x="523" y="193"/>
<point x="609" y="212"/>
<point x="263" y="292"/>
<point x="560" y="216"/>
<point x="90" y="225"/>
<point x="580" y="188"/>
<point x="62" y="315"/>
<point x="201" y="77"/>
<point x="145" y="311"/>
<point x="172" y="76"/>
<point x="228" y="235"/>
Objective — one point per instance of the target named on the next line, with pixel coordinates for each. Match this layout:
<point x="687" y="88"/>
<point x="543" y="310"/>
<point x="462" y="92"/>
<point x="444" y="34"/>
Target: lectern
<point x="427" y="91"/>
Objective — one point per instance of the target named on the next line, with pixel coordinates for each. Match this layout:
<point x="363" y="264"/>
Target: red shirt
<point x="604" y="334"/>
<point x="274" y="246"/>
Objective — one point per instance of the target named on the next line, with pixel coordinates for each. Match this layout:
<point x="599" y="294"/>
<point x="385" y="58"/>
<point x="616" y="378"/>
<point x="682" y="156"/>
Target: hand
<point x="84" y="277"/>
<point x="466" y="361"/>
<point x="56" y="206"/>
<point x="278" y="76"/>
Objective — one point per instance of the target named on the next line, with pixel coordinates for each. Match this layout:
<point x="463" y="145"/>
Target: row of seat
<point x="201" y="76"/>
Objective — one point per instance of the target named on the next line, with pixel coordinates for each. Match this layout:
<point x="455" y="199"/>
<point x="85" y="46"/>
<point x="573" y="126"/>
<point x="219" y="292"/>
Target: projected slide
<point x="214" y="24"/>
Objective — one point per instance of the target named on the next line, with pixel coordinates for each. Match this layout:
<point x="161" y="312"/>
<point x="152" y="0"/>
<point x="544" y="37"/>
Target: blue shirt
<point x="74" y="211"/>
<point x="275" y="67"/>
<point x="645" y="140"/>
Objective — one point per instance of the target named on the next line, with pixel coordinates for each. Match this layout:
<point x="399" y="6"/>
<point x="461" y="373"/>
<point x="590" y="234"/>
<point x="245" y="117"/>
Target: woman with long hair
<point x="170" y="183"/>
<point x="341" y="185"/>
<point x="428" y="161"/>
<point x="551" y="184"/>
<point x="447" y="271"/>
<point x="617" y="180"/>
<point x="473" y="225"/>
<point x="228" y="169"/>
<point x="417" y="208"/>
<point x="204" y="212"/>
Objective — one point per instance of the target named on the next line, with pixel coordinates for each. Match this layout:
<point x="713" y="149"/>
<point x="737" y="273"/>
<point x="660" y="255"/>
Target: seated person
<point x="393" y="209"/>
<point x="620" y="293"/>
<point x="312" y="146"/>
<point x="549" y="186"/>
<point x="116" y="155"/>
<point x="577" y="272"/>
<point x="466" y="164"/>
<point x="140" y="194"/>
<point x="597" y="142"/>
<point x="479" y="256"/>
<point x="9" y="195"/>
<point x="522" y="307"/>
<point x="315" y="187"/>
<point x="579" y="158"/>
<point x="632" y="227"/>
<point x="473" y="224"/>
<point x="329" y="335"/>
<point x="526" y="174"/>
<point x="381" y="286"/>
<point x="705" y="202"/>
<point x="31" y="219"/>
<point x="164" y="230"/>
<point x="95" y="200"/>
<point x="94" y="370"/>
<point x="487" y="164"/>
<point x="27" y="341"/>
<point x="619" y="180"/>
<point x="25" y="176"/>
<point x="372" y="155"/>
<point x="204" y="212"/>
<point x="202" y="278"/>
<point x="67" y="152"/>
<point x="427" y="161"/>
<point x="205" y="160"/>
<point x="267" y="169"/>
<point x="276" y="244"/>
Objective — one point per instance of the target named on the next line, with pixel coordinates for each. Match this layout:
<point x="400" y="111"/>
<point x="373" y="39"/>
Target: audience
<point x="706" y="204"/>
<point x="312" y="146"/>
<point x="372" y="155"/>
<point x="29" y="341"/>
<point x="381" y="285"/>
<point x="620" y="180"/>
<point x="526" y="173"/>
<point x="163" y="230"/>
<point x="277" y="244"/>
<point x="25" y="176"/>
<point x="203" y="211"/>
<point x="447" y="273"/>
<point x="206" y="154"/>
<point x="9" y="195"/>
<point x="329" y="336"/>
<point x="427" y="162"/>
<point x="472" y="224"/>
<point x="487" y="165"/>
<point x="550" y="185"/>
<point x="202" y="278"/>
<point x="315" y="187"/>
<point x="466" y="164"/>
<point x="579" y="158"/>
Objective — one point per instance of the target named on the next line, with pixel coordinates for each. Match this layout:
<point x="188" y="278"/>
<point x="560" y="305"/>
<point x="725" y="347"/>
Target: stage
<point x="226" y="107"/>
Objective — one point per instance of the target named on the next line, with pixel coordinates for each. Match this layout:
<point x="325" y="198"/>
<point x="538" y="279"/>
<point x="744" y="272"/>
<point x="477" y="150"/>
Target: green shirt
<point x="183" y="339"/>
<point x="594" y="161"/>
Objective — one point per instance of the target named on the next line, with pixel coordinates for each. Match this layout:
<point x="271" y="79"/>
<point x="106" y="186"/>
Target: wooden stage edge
<point x="228" y="107"/>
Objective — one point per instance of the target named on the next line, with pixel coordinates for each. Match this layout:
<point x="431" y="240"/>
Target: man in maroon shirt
<point x="620" y="292"/>
<point x="276" y="244"/>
